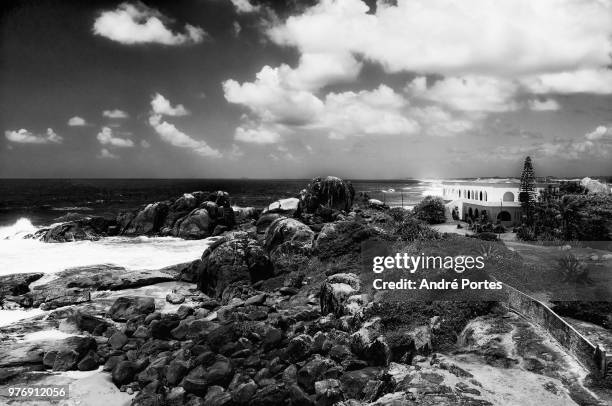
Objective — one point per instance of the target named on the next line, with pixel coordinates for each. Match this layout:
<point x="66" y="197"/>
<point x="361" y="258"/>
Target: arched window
<point x="470" y="212"/>
<point x="476" y="214"/>
<point x="481" y="195"/>
<point x="504" y="216"/>
<point x="469" y="194"/>
<point x="508" y="197"/>
<point x="459" y="193"/>
<point x="485" y="196"/>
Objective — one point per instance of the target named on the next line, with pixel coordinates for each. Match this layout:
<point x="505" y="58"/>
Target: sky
<point x="266" y="89"/>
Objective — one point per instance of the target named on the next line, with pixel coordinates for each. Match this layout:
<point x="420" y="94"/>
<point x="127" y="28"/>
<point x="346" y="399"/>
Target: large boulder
<point x="330" y="192"/>
<point x="67" y="353"/>
<point x="220" y="197"/>
<point x="288" y="235"/>
<point x="179" y="209"/>
<point x="232" y="260"/>
<point x="336" y="292"/>
<point x="265" y="220"/>
<point x="17" y="284"/>
<point x="89" y="228"/>
<point x="127" y="307"/>
<point x="195" y="225"/>
<point x="148" y="220"/>
<point x="287" y="207"/>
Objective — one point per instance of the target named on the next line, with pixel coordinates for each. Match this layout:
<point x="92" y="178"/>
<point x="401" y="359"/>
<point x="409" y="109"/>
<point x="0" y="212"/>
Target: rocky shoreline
<point x="274" y="312"/>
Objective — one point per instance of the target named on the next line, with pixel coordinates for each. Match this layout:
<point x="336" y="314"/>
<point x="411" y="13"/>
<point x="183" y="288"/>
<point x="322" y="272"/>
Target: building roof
<point x="501" y="184"/>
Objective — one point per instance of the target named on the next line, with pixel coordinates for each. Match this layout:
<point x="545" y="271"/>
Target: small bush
<point x="431" y="210"/>
<point x="412" y="229"/>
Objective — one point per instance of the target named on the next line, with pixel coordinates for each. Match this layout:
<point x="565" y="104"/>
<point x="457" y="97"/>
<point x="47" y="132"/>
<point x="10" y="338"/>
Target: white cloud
<point x="599" y="133"/>
<point x="106" y="154"/>
<point x="468" y="93"/>
<point x="24" y="136"/>
<point x="162" y="106"/>
<point x="138" y="24"/>
<point x="116" y="113"/>
<point x="145" y="144"/>
<point x="244" y="6"/>
<point x="76" y="121"/>
<point x="544" y="105"/>
<point x="173" y="136"/>
<point x="598" y="81"/>
<point x="257" y="135"/>
<point x="106" y="137"/>
<point x="438" y="122"/>
<point x="496" y="37"/>
<point x="272" y="99"/>
<point x="376" y="112"/>
<point x="596" y="144"/>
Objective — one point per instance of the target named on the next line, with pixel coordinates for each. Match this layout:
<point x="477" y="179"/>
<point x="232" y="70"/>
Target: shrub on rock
<point x="330" y="192"/>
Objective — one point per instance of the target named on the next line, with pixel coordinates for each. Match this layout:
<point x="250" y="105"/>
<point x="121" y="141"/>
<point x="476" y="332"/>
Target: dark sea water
<point x="44" y="200"/>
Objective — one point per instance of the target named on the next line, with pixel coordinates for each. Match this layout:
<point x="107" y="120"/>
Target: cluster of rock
<point x="191" y="216"/>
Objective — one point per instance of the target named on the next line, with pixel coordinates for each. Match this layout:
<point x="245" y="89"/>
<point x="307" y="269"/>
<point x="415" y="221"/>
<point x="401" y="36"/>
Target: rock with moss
<point x="329" y="192"/>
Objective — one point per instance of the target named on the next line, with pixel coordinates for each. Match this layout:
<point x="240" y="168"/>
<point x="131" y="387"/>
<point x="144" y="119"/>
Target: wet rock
<point x="89" y="228"/>
<point x="328" y="392"/>
<point x="124" y="372"/>
<point x="67" y="353"/>
<point x="177" y="369"/>
<point x="148" y="220"/>
<point x="314" y="370"/>
<point x="233" y="260"/>
<point x="298" y="348"/>
<point x="127" y="307"/>
<point x="163" y="327"/>
<point x="175" y="298"/>
<point x="117" y="340"/>
<point x="354" y="383"/>
<point x="88" y="363"/>
<point x="196" y="225"/>
<point x="275" y="394"/>
<point x="244" y="392"/>
<point x="217" y="396"/>
<point x="17" y="284"/>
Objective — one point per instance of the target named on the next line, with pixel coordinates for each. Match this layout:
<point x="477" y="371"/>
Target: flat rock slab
<point x="17" y="284"/>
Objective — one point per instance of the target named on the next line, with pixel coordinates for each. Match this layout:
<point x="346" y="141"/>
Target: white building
<point x="499" y="200"/>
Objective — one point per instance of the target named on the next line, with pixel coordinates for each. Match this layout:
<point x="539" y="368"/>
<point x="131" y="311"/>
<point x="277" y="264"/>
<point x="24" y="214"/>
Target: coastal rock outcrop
<point x="287" y="207"/>
<point x="235" y="258"/>
<point x="88" y="228"/>
<point x="148" y="221"/>
<point x="194" y="226"/>
<point x="329" y="193"/>
<point x="288" y="235"/>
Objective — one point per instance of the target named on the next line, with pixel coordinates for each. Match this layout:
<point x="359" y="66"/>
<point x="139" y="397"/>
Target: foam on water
<point x="21" y="228"/>
<point x="18" y="255"/>
<point x="12" y="316"/>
